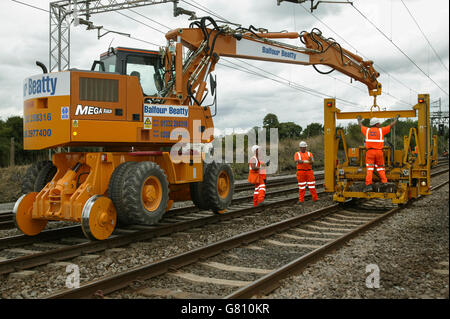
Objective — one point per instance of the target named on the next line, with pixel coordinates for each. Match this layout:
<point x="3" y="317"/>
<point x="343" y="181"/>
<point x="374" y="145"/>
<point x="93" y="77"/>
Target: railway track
<point x="74" y="244"/>
<point x="56" y="233"/>
<point x="245" y="265"/>
<point x="126" y="236"/>
<point x="190" y="218"/>
<point x="7" y="222"/>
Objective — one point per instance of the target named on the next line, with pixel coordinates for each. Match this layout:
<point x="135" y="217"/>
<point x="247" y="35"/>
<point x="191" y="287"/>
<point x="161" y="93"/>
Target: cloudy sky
<point x="244" y="99"/>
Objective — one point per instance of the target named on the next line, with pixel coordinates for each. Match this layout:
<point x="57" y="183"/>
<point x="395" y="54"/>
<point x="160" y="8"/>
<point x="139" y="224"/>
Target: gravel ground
<point x="46" y="279"/>
<point x="51" y="225"/>
<point x="411" y="250"/>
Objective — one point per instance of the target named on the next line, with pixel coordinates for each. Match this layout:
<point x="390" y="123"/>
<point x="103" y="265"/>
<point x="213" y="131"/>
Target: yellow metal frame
<point x="65" y="196"/>
<point x="410" y="174"/>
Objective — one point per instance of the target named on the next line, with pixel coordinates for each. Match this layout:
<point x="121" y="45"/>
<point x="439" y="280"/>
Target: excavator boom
<point x="226" y="42"/>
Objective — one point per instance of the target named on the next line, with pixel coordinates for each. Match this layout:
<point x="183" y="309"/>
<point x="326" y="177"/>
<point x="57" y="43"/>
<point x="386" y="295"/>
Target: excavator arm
<point x="207" y="45"/>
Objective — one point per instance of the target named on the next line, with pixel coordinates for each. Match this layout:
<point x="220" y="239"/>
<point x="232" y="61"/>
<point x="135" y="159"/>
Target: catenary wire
<point x="30" y="5"/>
<point x="398" y="48"/>
<point x="426" y="38"/>
<point x="359" y="52"/>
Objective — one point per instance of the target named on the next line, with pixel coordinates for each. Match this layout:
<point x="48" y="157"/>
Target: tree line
<point x="354" y="137"/>
<point x="290" y="129"/>
<point x="13" y="127"/>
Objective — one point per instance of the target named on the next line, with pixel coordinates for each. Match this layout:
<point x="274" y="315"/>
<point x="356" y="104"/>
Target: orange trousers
<point x="305" y="178"/>
<point x="375" y="161"/>
<point x="260" y="192"/>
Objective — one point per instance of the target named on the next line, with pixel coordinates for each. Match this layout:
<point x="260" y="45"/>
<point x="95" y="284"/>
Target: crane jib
<point x="250" y="48"/>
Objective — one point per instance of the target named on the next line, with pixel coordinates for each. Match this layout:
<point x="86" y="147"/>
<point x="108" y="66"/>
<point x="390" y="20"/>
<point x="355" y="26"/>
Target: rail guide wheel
<point x="23" y="215"/>
<point x="98" y="218"/>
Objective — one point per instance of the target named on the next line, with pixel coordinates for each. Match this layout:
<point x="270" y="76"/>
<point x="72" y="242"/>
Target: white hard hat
<point x="254" y="148"/>
<point x="374" y="121"/>
<point x="303" y="144"/>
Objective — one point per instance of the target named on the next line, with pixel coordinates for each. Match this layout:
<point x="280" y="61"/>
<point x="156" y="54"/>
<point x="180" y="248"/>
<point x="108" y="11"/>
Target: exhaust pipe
<point x="42" y="65"/>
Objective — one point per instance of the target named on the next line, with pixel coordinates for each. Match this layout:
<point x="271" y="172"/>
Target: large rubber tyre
<point x="141" y="176"/>
<point x="196" y="190"/>
<point x="216" y="201"/>
<point x="37" y="176"/>
<point x="116" y="190"/>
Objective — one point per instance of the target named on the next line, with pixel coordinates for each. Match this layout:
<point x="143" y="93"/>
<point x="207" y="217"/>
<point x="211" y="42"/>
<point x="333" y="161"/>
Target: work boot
<point x="368" y="188"/>
<point x="298" y="203"/>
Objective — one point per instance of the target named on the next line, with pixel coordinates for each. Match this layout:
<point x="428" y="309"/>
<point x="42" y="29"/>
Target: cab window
<point x="110" y="63"/>
<point x="143" y="68"/>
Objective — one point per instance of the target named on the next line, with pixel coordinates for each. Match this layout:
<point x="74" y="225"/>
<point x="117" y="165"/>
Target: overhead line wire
<point x="220" y="17"/>
<point x="30" y="5"/>
<point x="426" y="38"/>
<point x="358" y="51"/>
<point x="398" y="48"/>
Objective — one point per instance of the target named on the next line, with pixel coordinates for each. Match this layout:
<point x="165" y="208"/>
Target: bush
<point x="11" y="182"/>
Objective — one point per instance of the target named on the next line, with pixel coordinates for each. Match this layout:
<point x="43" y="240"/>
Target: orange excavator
<point x="137" y="105"/>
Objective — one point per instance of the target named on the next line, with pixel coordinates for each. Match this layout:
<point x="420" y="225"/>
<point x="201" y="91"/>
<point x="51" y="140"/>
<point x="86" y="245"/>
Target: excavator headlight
<point x="421" y="100"/>
<point x="329" y="104"/>
<point x="423" y="183"/>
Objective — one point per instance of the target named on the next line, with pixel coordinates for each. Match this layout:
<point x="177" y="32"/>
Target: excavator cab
<point x="144" y="64"/>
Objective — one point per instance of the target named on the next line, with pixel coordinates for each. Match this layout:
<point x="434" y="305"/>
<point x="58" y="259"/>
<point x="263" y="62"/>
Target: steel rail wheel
<point x="98" y="218"/>
<point x="23" y="215"/>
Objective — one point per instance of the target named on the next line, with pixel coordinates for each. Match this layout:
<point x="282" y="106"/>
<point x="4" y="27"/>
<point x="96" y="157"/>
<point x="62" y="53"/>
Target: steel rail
<point x="37" y="259"/>
<point x="7" y="222"/>
<point x="239" y="187"/>
<point x="42" y="258"/>
<point x="271" y="281"/>
<point x="121" y="280"/>
<point x="266" y="283"/>
<point x="76" y="230"/>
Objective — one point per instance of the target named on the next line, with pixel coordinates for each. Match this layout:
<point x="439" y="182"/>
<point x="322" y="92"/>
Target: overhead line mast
<point x="60" y="22"/>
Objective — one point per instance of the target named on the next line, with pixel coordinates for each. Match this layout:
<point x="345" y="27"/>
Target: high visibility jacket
<point x="259" y="171"/>
<point x="374" y="136"/>
<point x="303" y="157"/>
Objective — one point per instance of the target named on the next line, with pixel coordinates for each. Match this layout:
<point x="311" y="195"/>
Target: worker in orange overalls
<point x="374" y="138"/>
<point x="305" y="174"/>
<point x="415" y="152"/>
<point x="257" y="176"/>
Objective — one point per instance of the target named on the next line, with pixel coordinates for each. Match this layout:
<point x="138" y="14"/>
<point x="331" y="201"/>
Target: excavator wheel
<point x="169" y="205"/>
<point x="147" y="193"/>
<point x="116" y="190"/>
<point x="22" y="215"/>
<point x="196" y="190"/>
<point x="98" y="218"/>
<point x="218" y="186"/>
<point x="37" y="176"/>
